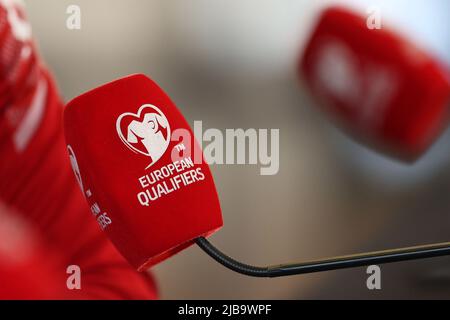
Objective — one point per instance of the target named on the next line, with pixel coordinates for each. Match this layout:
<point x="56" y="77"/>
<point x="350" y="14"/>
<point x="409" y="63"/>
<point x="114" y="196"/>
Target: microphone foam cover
<point x="142" y="172"/>
<point x="382" y="88"/>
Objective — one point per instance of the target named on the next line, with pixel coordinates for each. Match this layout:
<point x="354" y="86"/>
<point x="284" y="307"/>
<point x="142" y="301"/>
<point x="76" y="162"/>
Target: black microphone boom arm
<point x="344" y="262"/>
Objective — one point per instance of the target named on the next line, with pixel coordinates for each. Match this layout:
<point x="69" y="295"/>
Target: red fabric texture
<point x="37" y="184"/>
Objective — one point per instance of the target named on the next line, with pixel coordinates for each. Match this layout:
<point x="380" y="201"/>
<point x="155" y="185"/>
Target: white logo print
<point x="147" y="132"/>
<point x="75" y="167"/>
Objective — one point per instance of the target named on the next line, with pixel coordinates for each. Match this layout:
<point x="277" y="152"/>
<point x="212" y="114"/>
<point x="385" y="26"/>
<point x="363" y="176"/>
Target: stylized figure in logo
<point x="147" y="132"/>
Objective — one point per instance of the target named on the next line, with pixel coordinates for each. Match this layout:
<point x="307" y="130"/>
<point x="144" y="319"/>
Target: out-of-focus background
<point x="231" y="64"/>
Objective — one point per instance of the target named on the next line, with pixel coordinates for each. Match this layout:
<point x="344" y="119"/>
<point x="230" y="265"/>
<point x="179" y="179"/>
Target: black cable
<point x="351" y="261"/>
<point x="229" y="262"/>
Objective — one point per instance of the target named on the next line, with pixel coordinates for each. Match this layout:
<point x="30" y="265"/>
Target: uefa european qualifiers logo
<point x="147" y="132"/>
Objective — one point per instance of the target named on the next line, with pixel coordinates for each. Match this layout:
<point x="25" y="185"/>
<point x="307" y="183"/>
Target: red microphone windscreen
<point x="380" y="87"/>
<point x="141" y="170"/>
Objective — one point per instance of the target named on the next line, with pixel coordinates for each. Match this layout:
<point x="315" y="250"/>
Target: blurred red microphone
<point x="132" y="152"/>
<point x="379" y="86"/>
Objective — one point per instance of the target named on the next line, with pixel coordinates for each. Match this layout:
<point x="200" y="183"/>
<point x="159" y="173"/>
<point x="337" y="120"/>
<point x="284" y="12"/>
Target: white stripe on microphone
<point x="32" y="119"/>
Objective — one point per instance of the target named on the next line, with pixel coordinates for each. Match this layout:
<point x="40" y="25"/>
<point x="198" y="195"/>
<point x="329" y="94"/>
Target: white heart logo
<point x="146" y="133"/>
